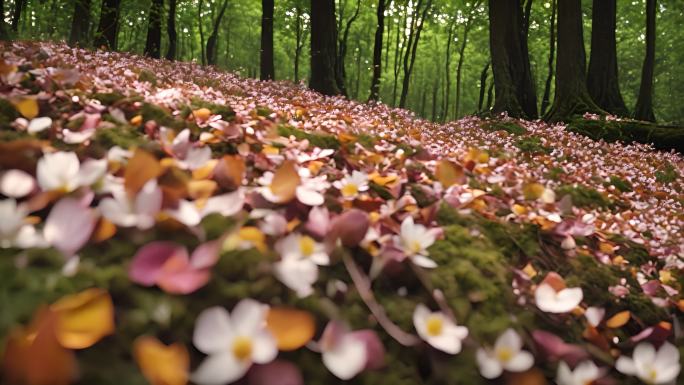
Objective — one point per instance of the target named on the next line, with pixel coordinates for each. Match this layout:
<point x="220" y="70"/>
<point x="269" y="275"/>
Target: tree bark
<point x="16" y="16"/>
<point x="398" y="49"/>
<point x="300" y="38"/>
<point x="108" y="26"/>
<point x="377" y="52"/>
<point x="552" y="52"/>
<point x="80" y="22"/>
<point x="419" y="17"/>
<point x="342" y="50"/>
<point x="447" y="65"/>
<point x="572" y="96"/>
<point x="515" y="92"/>
<point x="153" y="41"/>
<point x="212" y="51"/>
<point x="602" y="77"/>
<point x="461" y="57"/>
<point x="483" y="85"/>
<point x="4" y="35"/>
<point x="171" y="30"/>
<point x="203" y="59"/>
<point x="323" y="47"/>
<point x="644" y="105"/>
<point x="267" y="68"/>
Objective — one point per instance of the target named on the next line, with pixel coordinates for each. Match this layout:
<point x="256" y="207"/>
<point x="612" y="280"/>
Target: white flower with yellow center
<point x="584" y="374"/>
<point x="551" y="300"/>
<point x="414" y="240"/>
<point x="438" y="330"/>
<point x="62" y="171"/>
<point x="233" y="342"/>
<point x="651" y="366"/>
<point x="300" y="257"/>
<point x="351" y="185"/>
<point x="506" y="355"/>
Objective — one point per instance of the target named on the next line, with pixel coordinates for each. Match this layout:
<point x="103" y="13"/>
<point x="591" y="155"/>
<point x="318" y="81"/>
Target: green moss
<point x="7" y="114"/>
<point x="502" y="125"/>
<point x="227" y="113"/>
<point x="667" y="175"/>
<point x="264" y="111"/>
<point x="366" y="140"/>
<point x="109" y="98"/>
<point x="621" y="184"/>
<point x="555" y="173"/>
<point x="160" y="115"/>
<point x="148" y="76"/>
<point x="123" y="136"/>
<point x="317" y="139"/>
<point x="381" y="191"/>
<point x="662" y="137"/>
<point x="593" y="277"/>
<point x="585" y="197"/>
<point x="533" y="145"/>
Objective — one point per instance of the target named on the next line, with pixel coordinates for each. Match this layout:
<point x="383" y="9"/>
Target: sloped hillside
<point x="142" y="201"/>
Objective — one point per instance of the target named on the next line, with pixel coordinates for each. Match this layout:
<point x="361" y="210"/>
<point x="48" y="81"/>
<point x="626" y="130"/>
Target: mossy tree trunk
<point x="108" y="26"/>
<point x="602" y="78"/>
<point x="323" y="47"/>
<point x="80" y="23"/>
<point x="515" y="91"/>
<point x="644" y="105"/>
<point x="266" y="67"/>
<point x="171" y="31"/>
<point x="212" y="51"/>
<point x="153" y="41"/>
<point x="483" y="85"/>
<point x="572" y="96"/>
<point x="377" y="52"/>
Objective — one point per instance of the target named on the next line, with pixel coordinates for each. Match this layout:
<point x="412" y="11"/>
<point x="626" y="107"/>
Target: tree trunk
<point x="377" y="52"/>
<point x="483" y="85"/>
<point x="108" y="27"/>
<point x="644" y="105"/>
<point x="4" y="35"/>
<point x="490" y="96"/>
<point x="300" y="39"/>
<point x="342" y="50"/>
<point x="323" y="47"/>
<point x="171" y="30"/>
<point x="602" y="77"/>
<point x="153" y="41"/>
<point x="80" y="22"/>
<point x="203" y="59"/>
<point x="410" y="54"/>
<point x="515" y="91"/>
<point x="212" y="51"/>
<point x="552" y="52"/>
<point x="398" y="49"/>
<point x="267" y="68"/>
<point x="435" y="88"/>
<point x="447" y="65"/>
<point x="461" y="57"/>
<point x="16" y="16"/>
<point x="572" y="96"/>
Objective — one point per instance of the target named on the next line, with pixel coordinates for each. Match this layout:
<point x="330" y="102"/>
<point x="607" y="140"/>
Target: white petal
<point x="117" y="212"/>
<point x="58" y="170"/>
<point x="570" y="297"/>
<point x="16" y="183"/>
<point x="265" y="348"/>
<point x="423" y="261"/>
<point x="39" y="124"/>
<point x="625" y="365"/>
<point x="197" y="157"/>
<point x="186" y="213"/>
<point x="644" y="353"/>
<point x="298" y="275"/>
<point x="564" y="376"/>
<point x="667" y="355"/>
<point x="520" y="362"/>
<point x="550" y="301"/>
<point x="668" y="373"/>
<point x="91" y="171"/>
<point x="446" y="342"/>
<point x="309" y="196"/>
<point x="489" y="367"/>
<point x="420" y="315"/>
<point x="226" y="204"/>
<point x="28" y="237"/>
<point x="509" y="339"/>
<point x="248" y="317"/>
<point x="347" y="358"/>
<point x="594" y="315"/>
<point x="213" y="331"/>
<point x="68" y="226"/>
<point x="407" y="227"/>
<point x="219" y="369"/>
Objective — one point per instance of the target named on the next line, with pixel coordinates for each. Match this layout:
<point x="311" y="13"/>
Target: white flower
<point x="69" y="225"/>
<point x="227" y="204"/>
<point x="562" y="301"/>
<point x="300" y="257"/>
<point x="652" y="367"/>
<point x="507" y="354"/>
<point x="233" y="342"/>
<point x="343" y="353"/>
<point x="310" y="190"/>
<point x="16" y="183"/>
<point x="438" y="330"/>
<point x="585" y="373"/>
<point x="14" y="232"/>
<point x="63" y="172"/>
<point x="139" y="212"/>
<point x="39" y="124"/>
<point x="414" y="240"/>
<point x="351" y="185"/>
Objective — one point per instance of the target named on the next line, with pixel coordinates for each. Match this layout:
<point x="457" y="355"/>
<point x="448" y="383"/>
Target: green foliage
<point x="316" y="139"/>
<point x="503" y="125"/>
<point x="621" y="184"/>
<point x="583" y="196"/>
<point x="7" y="114"/>
<point x="667" y="175"/>
<point x="533" y="145"/>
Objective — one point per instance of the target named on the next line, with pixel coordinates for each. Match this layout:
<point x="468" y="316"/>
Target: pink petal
<point x="69" y="225"/>
<point x="351" y="227"/>
<point x="278" y="372"/>
<point x="556" y="349"/>
<point x="375" y="351"/>
<point x="205" y="255"/>
<point x="183" y="281"/>
<point x="150" y="259"/>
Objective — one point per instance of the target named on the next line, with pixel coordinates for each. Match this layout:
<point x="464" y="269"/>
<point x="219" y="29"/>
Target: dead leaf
<point x="618" y="319"/>
<point x="285" y="182"/>
<point x="449" y="173"/>
<point x="142" y="167"/>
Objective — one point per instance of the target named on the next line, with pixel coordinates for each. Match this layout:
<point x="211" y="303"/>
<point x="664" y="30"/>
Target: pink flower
<point x="69" y="225"/>
<point x="167" y="265"/>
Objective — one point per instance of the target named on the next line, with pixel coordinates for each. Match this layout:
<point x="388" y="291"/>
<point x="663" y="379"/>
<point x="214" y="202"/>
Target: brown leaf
<point x="618" y="319"/>
<point x="230" y="171"/>
<point x="285" y="182"/>
<point x="142" y="167"/>
<point x="449" y="173"/>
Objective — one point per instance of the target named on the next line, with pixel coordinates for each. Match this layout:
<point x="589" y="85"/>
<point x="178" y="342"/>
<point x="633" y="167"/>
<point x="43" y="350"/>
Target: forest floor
<point x="332" y="212"/>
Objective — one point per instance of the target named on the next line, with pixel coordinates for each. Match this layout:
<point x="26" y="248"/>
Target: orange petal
<point x="292" y="328"/>
<point x="449" y="173"/>
<point x="141" y="168"/>
<point x="285" y="182"/>
<point x="27" y="107"/>
<point x="161" y="364"/>
<point x="618" y="319"/>
<point x="84" y="318"/>
<point x="104" y="230"/>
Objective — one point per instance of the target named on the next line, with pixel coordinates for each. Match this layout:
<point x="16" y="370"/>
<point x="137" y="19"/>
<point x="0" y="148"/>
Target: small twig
<point x="362" y="284"/>
<point x="437" y="294"/>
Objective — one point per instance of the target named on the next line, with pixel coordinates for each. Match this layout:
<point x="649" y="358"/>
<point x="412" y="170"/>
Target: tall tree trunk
<point x="398" y="49"/>
<point x="447" y="65"/>
<point x="4" y="34"/>
<point x="323" y="47"/>
<point x="358" y="72"/>
<point x="203" y="59"/>
<point x="644" y="105"/>
<point x="515" y="91"/>
<point x="435" y="88"/>
<point x="80" y="22"/>
<point x="300" y="39"/>
<point x="410" y="54"/>
<point x="461" y="55"/>
<point x="267" y="68"/>
<point x="552" y="51"/>
<point x="153" y="41"/>
<point x="377" y="52"/>
<point x="108" y="27"/>
<point x="602" y="77"/>
<point x="342" y="50"/>
<point x="212" y="51"/>
<point x="572" y="96"/>
<point x="171" y="30"/>
<point x="483" y="85"/>
<point x="490" y="96"/>
<point x="16" y="16"/>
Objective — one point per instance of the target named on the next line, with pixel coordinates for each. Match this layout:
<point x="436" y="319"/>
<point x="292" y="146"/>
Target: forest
<point x="290" y="192"/>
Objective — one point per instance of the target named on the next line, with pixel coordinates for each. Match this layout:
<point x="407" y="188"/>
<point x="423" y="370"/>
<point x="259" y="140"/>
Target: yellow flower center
<point x="242" y="348"/>
<point x="652" y="374"/>
<point x="434" y="326"/>
<point x="504" y="354"/>
<point x="306" y="245"/>
<point x="415" y="247"/>
<point x="350" y="190"/>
